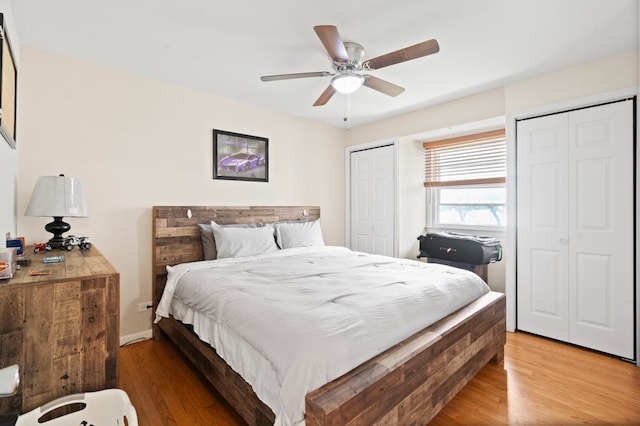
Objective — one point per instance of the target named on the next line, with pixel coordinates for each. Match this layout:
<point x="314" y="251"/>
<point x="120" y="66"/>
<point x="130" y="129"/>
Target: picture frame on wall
<point x="8" y="87"/>
<point x="240" y="157"/>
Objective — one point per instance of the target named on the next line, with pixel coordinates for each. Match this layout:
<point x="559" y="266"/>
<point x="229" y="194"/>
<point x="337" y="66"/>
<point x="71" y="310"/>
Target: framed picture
<point x="240" y="157"/>
<point x="8" y="88"/>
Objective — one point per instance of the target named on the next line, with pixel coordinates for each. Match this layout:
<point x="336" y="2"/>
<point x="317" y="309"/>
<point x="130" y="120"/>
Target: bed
<point x="407" y="383"/>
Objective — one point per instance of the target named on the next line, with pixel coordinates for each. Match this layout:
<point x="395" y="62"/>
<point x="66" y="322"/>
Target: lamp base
<point x="57" y="228"/>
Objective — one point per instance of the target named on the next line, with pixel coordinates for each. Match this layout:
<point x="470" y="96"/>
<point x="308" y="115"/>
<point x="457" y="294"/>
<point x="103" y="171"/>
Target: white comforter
<point x="293" y="320"/>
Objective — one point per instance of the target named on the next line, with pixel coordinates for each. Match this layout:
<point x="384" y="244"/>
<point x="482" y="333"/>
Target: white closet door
<point x="575" y="215"/>
<point x="372" y="200"/>
<point x="542" y="244"/>
<point x="601" y="252"/>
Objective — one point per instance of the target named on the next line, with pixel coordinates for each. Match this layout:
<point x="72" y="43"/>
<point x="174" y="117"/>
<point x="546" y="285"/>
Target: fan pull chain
<point x="347" y="113"/>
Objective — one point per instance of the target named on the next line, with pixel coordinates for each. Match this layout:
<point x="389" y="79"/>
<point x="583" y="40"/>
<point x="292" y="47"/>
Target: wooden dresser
<point x="62" y="329"/>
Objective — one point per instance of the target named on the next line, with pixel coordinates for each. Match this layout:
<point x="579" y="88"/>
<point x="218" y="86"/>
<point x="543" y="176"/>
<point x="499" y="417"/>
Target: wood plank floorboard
<point x="540" y="382"/>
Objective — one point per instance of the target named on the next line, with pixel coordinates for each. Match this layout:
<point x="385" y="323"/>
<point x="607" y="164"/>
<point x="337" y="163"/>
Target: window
<point x="465" y="179"/>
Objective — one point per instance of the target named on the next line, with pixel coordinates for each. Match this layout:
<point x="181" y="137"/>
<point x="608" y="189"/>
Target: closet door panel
<point x="542" y="264"/>
<point x="601" y="209"/>
<point x="372" y="220"/>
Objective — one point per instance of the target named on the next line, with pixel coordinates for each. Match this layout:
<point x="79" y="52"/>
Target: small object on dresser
<point x="41" y="247"/>
<point x="18" y="243"/>
<point x="82" y="242"/>
<point x="24" y="260"/>
<point x="8" y="262"/>
<point x="37" y="273"/>
<point x="53" y="259"/>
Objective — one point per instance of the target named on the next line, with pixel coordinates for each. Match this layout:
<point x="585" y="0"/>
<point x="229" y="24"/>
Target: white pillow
<point x="240" y="242"/>
<point x="298" y="234"/>
<point x="209" y="243"/>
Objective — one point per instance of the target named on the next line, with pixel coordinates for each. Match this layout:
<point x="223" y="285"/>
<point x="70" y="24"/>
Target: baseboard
<point x="135" y="337"/>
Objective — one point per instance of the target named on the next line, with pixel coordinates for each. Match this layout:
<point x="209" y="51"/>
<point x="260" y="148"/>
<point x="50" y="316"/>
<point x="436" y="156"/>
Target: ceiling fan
<point x="348" y="59"/>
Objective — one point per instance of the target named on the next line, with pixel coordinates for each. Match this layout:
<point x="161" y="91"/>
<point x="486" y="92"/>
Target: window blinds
<point x="467" y="160"/>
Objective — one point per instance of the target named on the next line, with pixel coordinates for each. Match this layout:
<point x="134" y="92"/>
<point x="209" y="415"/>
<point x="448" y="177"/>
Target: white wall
<point x="8" y="155"/>
<point x="608" y="74"/>
<point x="136" y="143"/>
<point x="411" y="210"/>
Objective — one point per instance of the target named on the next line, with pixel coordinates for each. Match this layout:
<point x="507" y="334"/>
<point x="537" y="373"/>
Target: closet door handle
<point x="564" y="241"/>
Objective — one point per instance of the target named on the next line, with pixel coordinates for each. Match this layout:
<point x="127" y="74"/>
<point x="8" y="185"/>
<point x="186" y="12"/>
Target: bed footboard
<point x="412" y="381"/>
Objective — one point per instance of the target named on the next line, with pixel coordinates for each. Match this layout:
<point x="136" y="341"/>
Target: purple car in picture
<point x="241" y="161"/>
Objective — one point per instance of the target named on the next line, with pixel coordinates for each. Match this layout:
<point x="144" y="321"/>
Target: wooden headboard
<point x="176" y="235"/>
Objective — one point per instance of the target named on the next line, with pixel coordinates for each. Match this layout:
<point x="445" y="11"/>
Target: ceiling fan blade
<point x="381" y="85"/>
<point x="326" y="95"/>
<point x="295" y="75"/>
<point x="331" y="40"/>
<point x="419" y="50"/>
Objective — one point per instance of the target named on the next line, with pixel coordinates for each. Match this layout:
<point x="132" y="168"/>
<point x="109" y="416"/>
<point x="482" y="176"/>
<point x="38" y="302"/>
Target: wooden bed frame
<point x="407" y="384"/>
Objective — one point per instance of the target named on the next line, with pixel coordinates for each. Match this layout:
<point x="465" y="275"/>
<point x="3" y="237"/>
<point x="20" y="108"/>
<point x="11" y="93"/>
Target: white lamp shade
<point x="347" y="83"/>
<point x="57" y="196"/>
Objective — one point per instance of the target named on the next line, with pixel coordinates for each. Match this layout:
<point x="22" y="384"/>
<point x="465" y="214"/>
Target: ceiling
<point x="224" y="47"/>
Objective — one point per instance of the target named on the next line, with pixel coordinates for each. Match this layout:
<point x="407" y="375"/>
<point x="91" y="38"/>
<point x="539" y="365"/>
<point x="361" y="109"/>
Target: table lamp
<point x="57" y="197"/>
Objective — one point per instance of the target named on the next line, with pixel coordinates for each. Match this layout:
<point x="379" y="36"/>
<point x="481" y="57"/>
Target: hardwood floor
<point x="541" y="382"/>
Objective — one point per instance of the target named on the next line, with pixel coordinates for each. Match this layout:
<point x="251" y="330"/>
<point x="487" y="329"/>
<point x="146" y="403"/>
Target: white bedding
<point x="293" y="320"/>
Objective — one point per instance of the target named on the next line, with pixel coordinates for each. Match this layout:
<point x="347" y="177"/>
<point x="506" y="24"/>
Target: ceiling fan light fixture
<point x="347" y="83"/>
